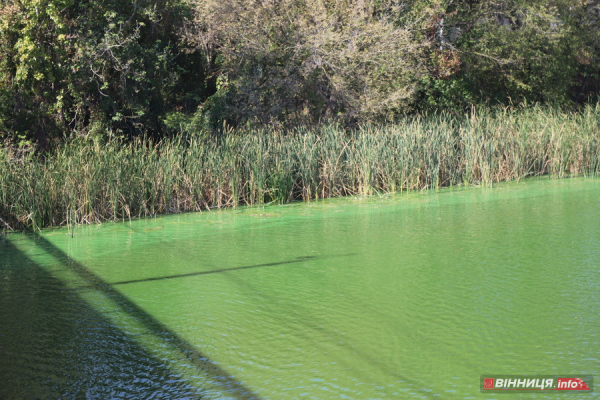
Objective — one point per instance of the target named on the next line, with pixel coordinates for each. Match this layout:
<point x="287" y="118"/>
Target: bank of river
<point x="405" y="296"/>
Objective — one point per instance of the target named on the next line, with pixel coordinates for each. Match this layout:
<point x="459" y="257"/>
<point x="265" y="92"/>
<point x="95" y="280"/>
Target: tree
<point x="301" y="60"/>
<point x="74" y="66"/>
<point x="509" y="51"/>
<point x="33" y="50"/>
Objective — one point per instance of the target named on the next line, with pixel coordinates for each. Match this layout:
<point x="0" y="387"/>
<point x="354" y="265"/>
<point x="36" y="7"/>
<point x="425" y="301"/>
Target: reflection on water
<point x="409" y="296"/>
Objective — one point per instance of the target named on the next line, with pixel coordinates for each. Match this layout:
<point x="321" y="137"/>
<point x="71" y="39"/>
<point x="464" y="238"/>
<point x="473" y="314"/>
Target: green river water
<point x="406" y="296"/>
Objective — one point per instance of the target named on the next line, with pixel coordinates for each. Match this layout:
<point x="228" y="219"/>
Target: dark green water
<point x="407" y="296"/>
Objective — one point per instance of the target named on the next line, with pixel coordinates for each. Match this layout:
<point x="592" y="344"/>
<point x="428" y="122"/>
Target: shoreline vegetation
<point x="88" y="180"/>
<point x="111" y="110"/>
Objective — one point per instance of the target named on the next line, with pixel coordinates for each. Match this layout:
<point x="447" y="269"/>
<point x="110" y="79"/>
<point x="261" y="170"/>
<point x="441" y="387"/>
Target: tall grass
<point x="87" y="182"/>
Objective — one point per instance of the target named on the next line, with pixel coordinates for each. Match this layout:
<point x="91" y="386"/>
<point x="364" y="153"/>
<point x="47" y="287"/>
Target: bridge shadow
<point x="53" y="344"/>
<point x="11" y="351"/>
<point x="216" y="271"/>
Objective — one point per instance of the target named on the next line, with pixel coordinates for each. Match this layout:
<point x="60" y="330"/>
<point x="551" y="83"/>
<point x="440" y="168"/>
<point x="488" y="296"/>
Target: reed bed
<point x="88" y="181"/>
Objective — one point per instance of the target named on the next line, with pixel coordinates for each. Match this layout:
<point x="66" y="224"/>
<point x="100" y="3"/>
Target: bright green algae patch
<point x="406" y="296"/>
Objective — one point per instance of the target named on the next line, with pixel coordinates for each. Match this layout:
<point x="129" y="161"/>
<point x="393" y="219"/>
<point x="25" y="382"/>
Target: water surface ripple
<point x="405" y="296"/>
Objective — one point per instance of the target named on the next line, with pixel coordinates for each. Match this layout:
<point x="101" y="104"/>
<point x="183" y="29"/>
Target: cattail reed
<point x="88" y="181"/>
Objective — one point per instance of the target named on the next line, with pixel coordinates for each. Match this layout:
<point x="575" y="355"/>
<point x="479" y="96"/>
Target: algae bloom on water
<point x="399" y="296"/>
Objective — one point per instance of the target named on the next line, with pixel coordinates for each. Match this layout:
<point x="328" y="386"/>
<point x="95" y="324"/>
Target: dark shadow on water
<point x="34" y="328"/>
<point x="53" y="345"/>
<point x="215" y="271"/>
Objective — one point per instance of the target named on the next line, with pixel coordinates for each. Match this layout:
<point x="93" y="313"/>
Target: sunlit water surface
<point x="405" y="296"/>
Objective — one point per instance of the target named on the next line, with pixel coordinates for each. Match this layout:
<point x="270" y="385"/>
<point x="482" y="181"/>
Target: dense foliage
<point x="302" y="59"/>
<point x="160" y="67"/>
<point x="515" y="51"/>
<point x="95" y="66"/>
